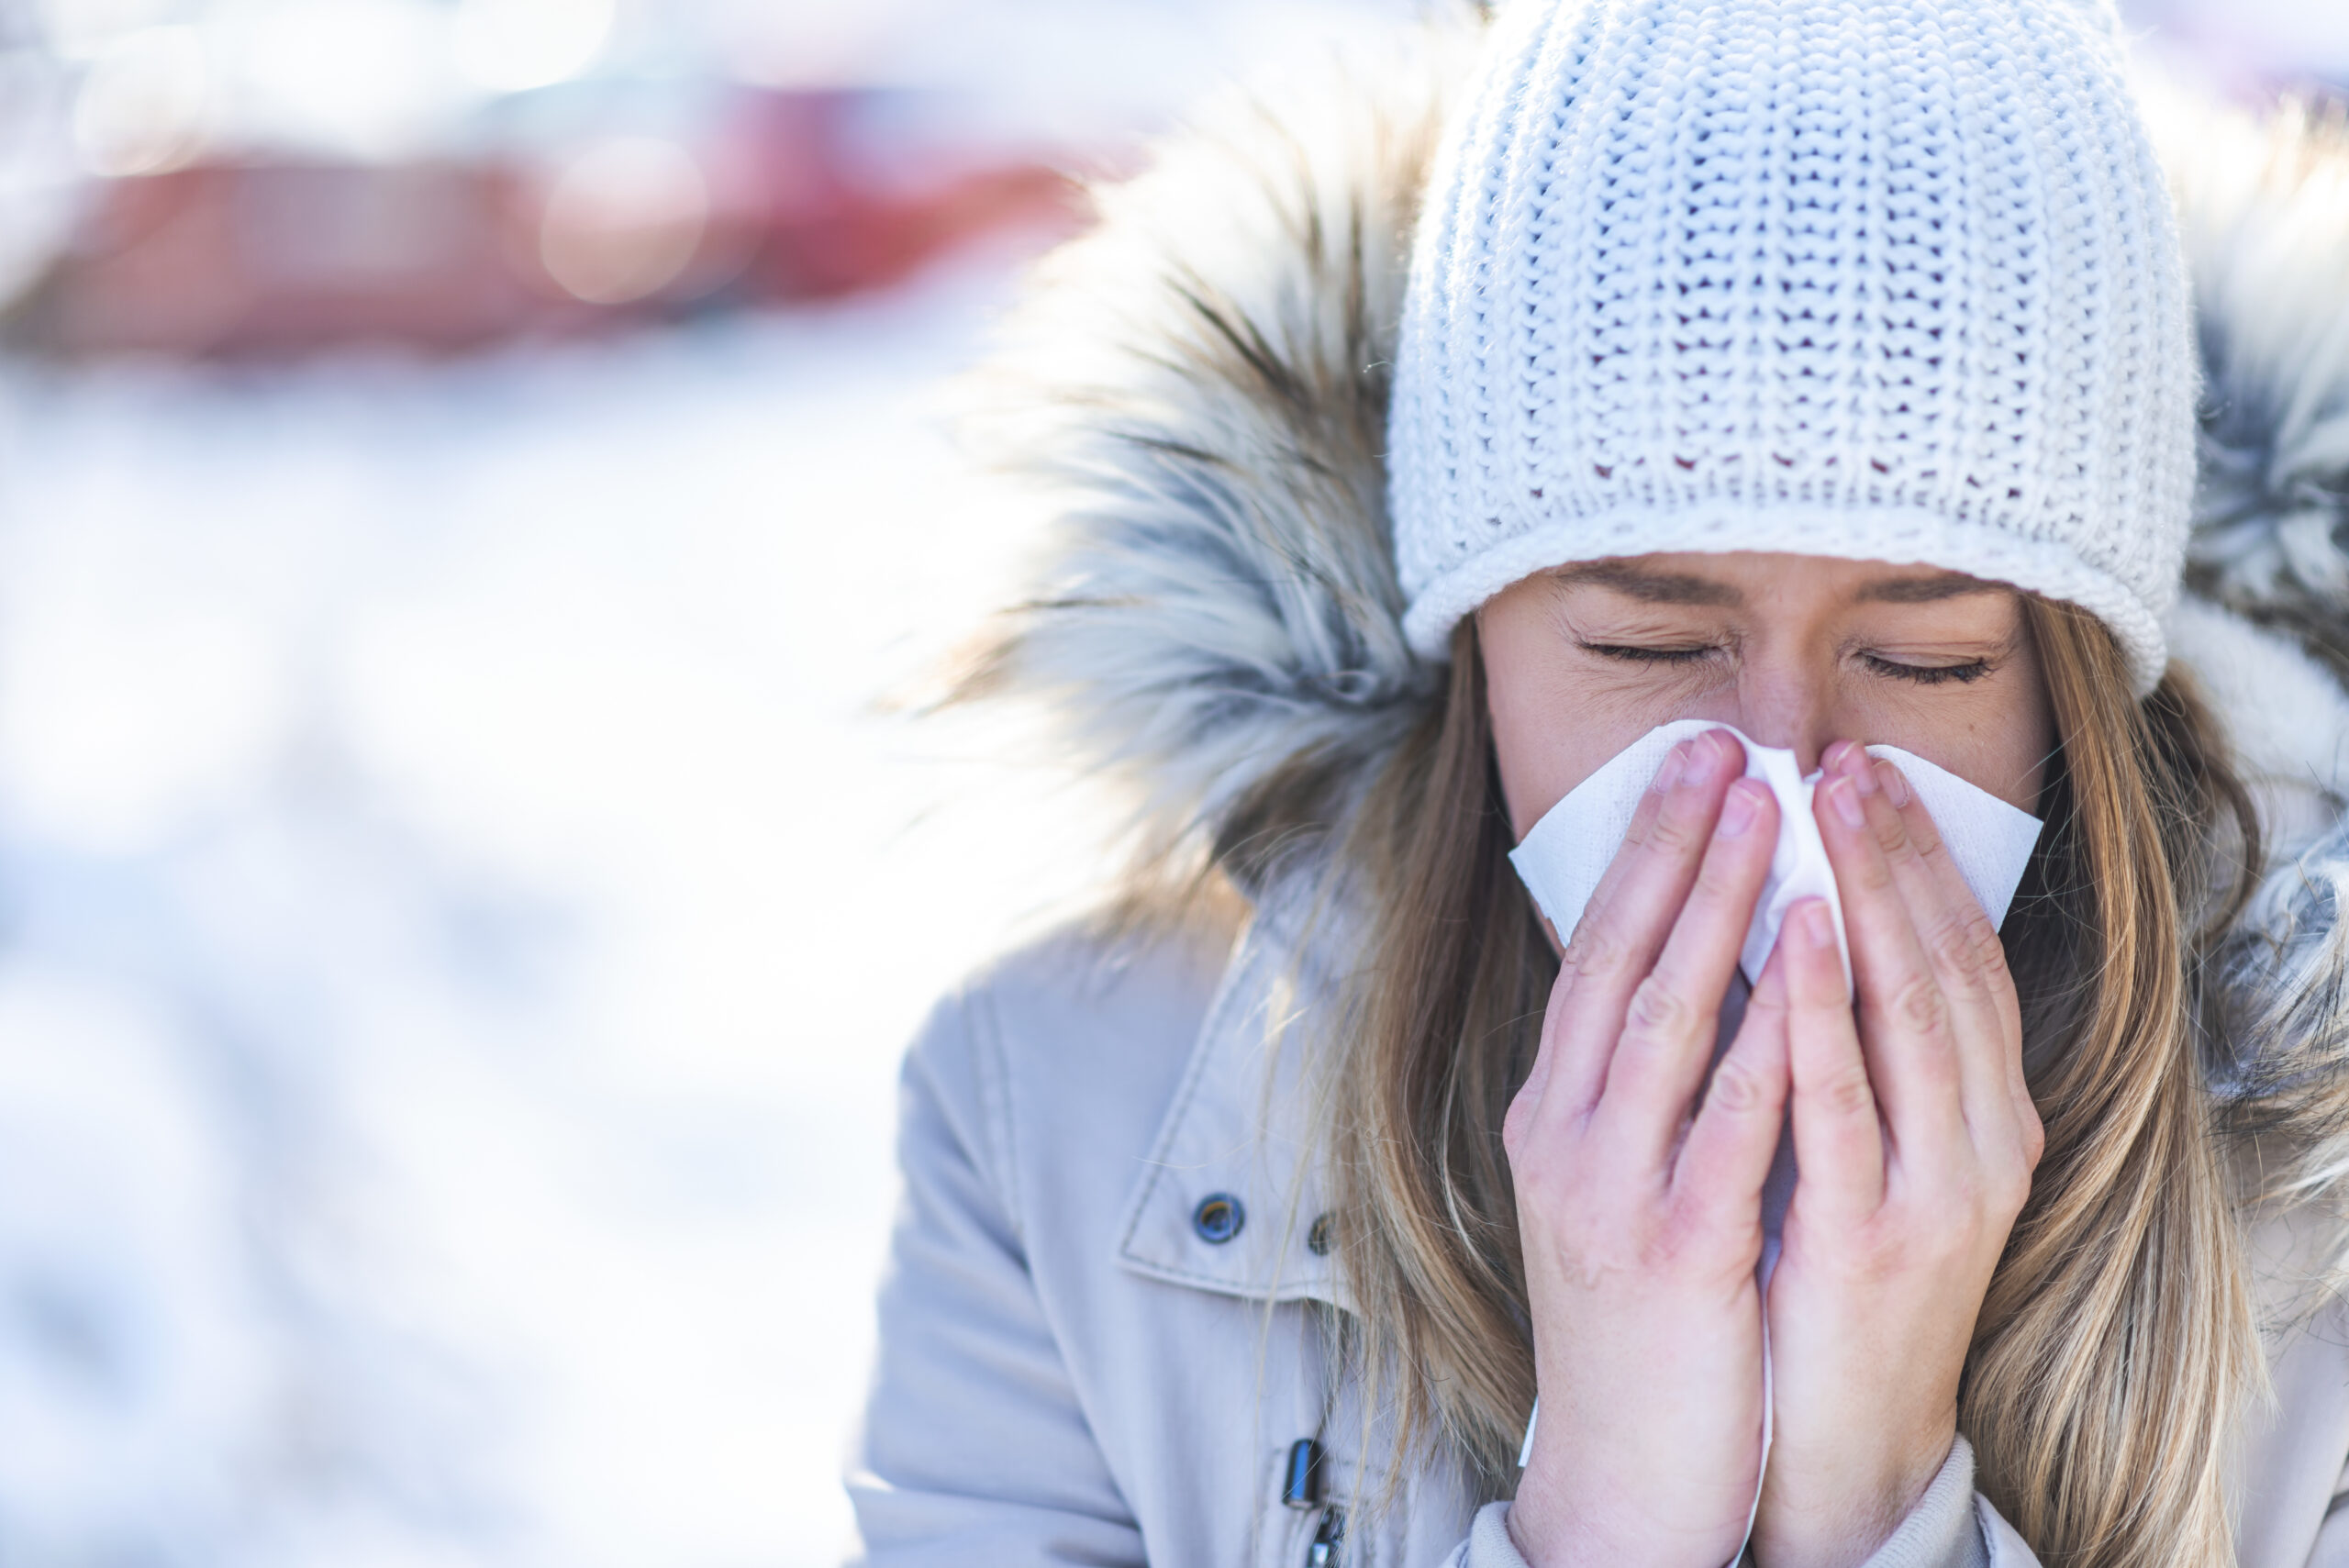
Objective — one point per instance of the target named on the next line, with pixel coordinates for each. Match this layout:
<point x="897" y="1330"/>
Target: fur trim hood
<point x="1198" y="390"/>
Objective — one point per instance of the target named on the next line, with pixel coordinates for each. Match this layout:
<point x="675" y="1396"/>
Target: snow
<point x="461" y="915"/>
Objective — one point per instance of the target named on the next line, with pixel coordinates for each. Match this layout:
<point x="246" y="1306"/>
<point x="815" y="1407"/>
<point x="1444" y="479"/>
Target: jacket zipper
<point x="1323" y="1552"/>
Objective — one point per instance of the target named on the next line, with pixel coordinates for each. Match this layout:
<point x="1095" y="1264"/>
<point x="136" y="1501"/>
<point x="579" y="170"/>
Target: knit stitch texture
<point x="1889" y="279"/>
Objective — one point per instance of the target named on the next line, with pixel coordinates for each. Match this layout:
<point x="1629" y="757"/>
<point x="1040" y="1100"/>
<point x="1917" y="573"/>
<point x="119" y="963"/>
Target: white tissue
<point x="1563" y="857"/>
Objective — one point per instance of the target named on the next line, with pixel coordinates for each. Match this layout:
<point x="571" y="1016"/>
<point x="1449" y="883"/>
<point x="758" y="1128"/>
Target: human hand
<point x="1641" y="1223"/>
<point x="1915" y="1138"/>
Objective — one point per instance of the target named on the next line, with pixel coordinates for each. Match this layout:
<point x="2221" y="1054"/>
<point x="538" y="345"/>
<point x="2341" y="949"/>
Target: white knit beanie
<point x="1890" y="280"/>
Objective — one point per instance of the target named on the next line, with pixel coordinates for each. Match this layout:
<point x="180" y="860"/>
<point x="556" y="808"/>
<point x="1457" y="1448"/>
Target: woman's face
<point x="1796" y="651"/>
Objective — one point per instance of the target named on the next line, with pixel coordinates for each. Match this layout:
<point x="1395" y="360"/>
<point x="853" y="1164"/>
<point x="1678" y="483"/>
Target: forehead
<point x="1744" y="578"/>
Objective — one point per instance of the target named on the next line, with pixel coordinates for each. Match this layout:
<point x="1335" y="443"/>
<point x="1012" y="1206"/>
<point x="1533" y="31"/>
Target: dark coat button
<point x="1322" y="1236"/>
<point x="1301" y="1483"/>
<point x="1218" y="1217"/>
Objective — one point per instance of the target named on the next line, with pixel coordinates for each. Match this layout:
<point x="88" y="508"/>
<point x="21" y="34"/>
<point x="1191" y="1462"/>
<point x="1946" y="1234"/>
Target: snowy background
<point x="459" y="914"/>
<point x="459" y="906"/>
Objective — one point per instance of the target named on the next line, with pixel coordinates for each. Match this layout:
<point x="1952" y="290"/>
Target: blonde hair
<point x="2117" y="1339"/>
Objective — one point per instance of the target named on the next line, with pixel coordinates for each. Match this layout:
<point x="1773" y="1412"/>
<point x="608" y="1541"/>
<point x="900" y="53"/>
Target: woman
<point x="1823" y="370"/>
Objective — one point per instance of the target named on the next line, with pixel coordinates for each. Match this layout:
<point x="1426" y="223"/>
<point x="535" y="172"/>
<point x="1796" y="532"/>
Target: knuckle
<point x="1965" y="945"/>
<point x="1976" y="1204"/>
<point x="2034" y="1144"/>
<point x="1989" y="952"/>
<point x="1846" y="1092"/>
<point x="1595" y="951"/>
<point x="1951" y="943"/>
<point x="1657" y="1011"/>
<point x="1891" y="832"/>
<point x="1735" y="1088"/>
<point x="1673" y="836"/>
<point x="1873" y="872"/>
<point x="1644" y="817"/>
<point x="1920" y="1006"/>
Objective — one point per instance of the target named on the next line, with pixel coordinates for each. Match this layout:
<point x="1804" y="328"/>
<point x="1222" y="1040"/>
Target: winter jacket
<point x="1105" y="1323"/>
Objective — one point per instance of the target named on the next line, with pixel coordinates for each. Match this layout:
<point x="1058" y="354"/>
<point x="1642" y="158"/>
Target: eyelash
<point x="1928" y="674"/>
<point x="1636" y="655"/>
<point x="1918" y="674"/>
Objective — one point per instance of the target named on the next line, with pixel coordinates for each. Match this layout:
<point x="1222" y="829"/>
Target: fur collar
<point x="1197" y="389"/>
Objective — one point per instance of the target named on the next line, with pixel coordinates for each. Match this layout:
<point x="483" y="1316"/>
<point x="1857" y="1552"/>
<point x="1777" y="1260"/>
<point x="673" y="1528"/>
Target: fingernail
<point x="1739" y="809"/>
<point x="1704" y="756"/>
<point x="1838" y="752"/>
<point x="1817" y="927"/>
<point x="1674" y="760"/>
<point x="1896" y="788"/>
<point x="1845" y="799"/>
<point x="1862" y="777"/>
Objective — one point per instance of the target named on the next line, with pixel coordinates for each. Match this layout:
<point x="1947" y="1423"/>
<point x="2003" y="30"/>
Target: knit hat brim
<point x="1896" y="535"/>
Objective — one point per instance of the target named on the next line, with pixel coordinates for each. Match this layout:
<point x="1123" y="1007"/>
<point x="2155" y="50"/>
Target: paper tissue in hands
<point x="1563" y="857"/>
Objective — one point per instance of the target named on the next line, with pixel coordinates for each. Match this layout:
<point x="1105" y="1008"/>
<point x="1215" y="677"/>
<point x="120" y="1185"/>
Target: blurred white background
<point x="458" y="908"/>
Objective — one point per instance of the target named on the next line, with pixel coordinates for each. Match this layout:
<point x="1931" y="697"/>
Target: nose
<point x="1789" y="706"/>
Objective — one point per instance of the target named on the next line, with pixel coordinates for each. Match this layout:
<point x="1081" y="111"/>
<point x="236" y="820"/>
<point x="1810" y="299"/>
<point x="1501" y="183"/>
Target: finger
<point x="1671" y="1025"/>
<point x="1958" y="941"/>
<point x="1648" y="818"/>
<point x="1616" y="942"/>
<point x="1577" y="961"/>
<point x="1573" y="960"/>
<point x="1643" y="818"/>
<point x="1907" y="1028"/>
<point x="1966" y="951"/>
<point x="1839" y="1133"/>
<point x="1726" y="1159"/>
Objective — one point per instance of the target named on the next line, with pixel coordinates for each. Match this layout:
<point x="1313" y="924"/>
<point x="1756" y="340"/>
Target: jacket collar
<point x="1240" y="1128"/>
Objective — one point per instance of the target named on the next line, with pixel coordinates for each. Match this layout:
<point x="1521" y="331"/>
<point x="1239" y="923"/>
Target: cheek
<point x="1554" y="726"/>
<point x="1560" y="713"/>
<point x="1996" y="736"/>
<point x="1519" y="656"/>
<point x="1538" y="761"/>
<point x="2029" y="742"/>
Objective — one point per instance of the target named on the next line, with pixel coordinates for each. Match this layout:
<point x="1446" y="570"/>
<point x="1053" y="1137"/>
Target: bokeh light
<point x="623" y="219"/>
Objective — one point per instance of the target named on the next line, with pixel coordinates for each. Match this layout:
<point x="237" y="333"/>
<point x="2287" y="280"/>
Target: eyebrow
<point x="1686" y="589"/>
<point x="1651" y="587"/>
<point x="1925" y="590"/>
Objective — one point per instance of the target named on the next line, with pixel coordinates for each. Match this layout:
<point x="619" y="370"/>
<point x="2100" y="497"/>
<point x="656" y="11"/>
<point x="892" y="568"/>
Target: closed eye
<point x="1927" y="674"/>
<point x="1634" y="653"/>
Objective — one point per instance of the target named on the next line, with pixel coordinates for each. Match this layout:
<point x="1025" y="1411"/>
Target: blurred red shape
<point x="261" y="259"/>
